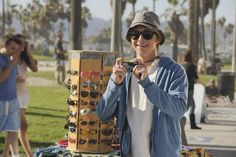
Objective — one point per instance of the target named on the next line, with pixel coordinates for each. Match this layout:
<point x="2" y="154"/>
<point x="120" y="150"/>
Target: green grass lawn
<point x="49" y="75"/>
<point x="46" y="114"/>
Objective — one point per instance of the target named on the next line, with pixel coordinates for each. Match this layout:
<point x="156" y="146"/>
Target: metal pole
<point x="116" y="25"/>
<point x="234" y="52"/>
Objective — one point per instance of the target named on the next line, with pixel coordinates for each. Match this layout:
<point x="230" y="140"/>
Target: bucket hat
<point x="148" y="19"/>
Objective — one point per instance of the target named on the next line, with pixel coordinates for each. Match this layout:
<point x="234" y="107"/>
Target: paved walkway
<point x="218" y="134"/>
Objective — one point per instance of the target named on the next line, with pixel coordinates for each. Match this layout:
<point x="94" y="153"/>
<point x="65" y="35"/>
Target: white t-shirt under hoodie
<point x="139" y="115"/>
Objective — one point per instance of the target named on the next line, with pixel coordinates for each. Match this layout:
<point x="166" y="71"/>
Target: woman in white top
<point x="26" y="60"/>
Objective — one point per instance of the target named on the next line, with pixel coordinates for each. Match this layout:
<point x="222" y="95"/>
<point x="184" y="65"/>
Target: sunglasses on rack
<point x="107" y="132"/>
<point x="89" y="84"/>
<point x="92" y="123"/>
<point x="92" y="103"/>
<point x="73" y="114"/>
<point x="147" y="35"/>
<point x="90" y="141"/>
<point x="72" y="129"/>
<point x="93" y="94"/>
<point x="71" y="102"/>
<point x="86" y="132"/>
<point x="87" y="111"/>
<point x="74" y="87"/>
<point x="72" y="72"/>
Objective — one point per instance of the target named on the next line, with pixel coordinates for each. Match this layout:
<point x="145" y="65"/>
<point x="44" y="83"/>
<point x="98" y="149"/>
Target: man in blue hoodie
<point x="150" y="98"/>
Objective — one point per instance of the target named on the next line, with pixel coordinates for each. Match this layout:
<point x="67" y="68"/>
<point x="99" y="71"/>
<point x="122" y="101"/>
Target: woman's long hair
<point x="188" y="56"/>
<point x="23" y="55"/>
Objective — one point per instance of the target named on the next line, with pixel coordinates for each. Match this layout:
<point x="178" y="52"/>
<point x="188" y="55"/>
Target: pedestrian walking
<point x="60" y="58"/>
<point x="191" y="71"/>
<point x="26" y="60"/>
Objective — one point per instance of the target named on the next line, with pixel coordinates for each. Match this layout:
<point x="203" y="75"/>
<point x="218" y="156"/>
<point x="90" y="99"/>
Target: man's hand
<point x="15" y="57"/>
<point x="118" y="71"/>
<point x="140" y="70"/>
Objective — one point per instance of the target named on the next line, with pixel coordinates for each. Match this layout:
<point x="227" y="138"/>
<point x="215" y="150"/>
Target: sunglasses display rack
<point x="88" y="76"/>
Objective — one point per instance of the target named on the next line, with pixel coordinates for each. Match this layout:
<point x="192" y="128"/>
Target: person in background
<point x="60" y="57"/>
<point x="192" y="79"/>
<point x="26" y="61"/>
<point x="212" y="91"/>
<point x="9" y="105"/>
<point x="150" y="98"/>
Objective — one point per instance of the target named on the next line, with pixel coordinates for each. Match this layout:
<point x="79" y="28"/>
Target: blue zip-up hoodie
<point x="168" y="95"/>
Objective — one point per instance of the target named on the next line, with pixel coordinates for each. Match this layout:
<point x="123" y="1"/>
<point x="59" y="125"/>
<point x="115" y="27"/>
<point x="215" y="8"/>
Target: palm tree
<point x="175" y="24"/>
<point x="229" y="29"/>
<point x="76" y="28"/>
<point x="191" y="25"/>
<point x="177" y="28"/>
<point x="133" y="2"/>
<point x="213" y="5"/>
<point x="221" y="22"/>
<point x="86" y="15"/>
<point x="122" y="9"/>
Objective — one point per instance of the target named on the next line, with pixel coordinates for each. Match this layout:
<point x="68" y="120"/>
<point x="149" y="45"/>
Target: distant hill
<point x="95" y="25"/>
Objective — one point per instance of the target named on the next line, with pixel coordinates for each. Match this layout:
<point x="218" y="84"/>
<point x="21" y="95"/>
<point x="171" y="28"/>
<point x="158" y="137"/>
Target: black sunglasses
<point x="107" y="132"/>
<point x="84" y="103"/>
<point x="90" y="141"/>
<point x="147" y="35"/>
<point x="93" y="94"/>
<point x="88" y="122"/>
<point x="71" y="102"/>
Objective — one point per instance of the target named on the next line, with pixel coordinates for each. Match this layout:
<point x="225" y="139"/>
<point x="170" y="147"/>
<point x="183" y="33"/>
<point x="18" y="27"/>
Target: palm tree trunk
<point x="76" y="28"/>
<point x="203" y="31"/>
<point x="234" y="53"/>
<point x="191" y="25"/>
<point x="116" y="24"/>
<point x="133" y="6"/>
<point x="213" y="30"/>
<point x="196" y="32"/>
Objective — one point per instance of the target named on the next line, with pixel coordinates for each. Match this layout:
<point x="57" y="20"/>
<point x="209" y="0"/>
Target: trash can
<point x="226" y="84"/>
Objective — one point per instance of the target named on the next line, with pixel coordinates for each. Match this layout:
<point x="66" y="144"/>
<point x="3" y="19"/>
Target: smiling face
<point x="144" y="45"/>
<point x="12" y="48"/>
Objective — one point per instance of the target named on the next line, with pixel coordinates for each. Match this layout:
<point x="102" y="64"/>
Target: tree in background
<point x="221" y="22"/>
<point x="42" y="20"/>
<point x="133" y="2"/>
<point x="175" y="24"/>
<point x="228" y="30"/>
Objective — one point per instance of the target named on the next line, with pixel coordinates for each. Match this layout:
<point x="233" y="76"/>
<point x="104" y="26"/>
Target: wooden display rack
<point x="89" y="73"/>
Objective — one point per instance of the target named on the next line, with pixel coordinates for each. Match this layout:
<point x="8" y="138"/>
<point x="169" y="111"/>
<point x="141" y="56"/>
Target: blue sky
<point x="102" y="8"/>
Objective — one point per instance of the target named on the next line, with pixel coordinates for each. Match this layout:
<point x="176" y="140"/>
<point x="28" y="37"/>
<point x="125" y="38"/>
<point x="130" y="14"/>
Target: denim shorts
<point x="9" y="116"/>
